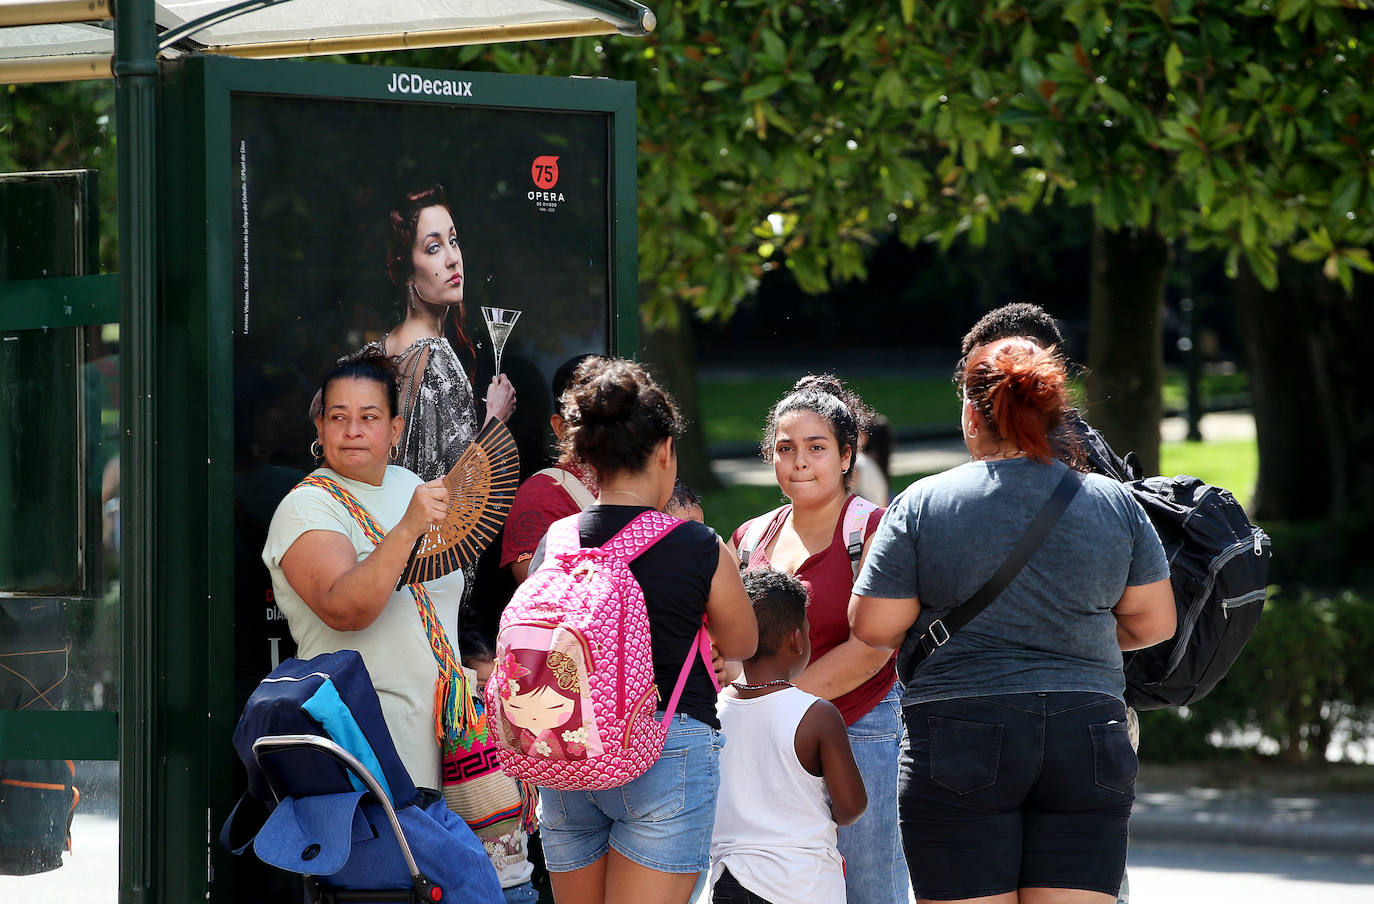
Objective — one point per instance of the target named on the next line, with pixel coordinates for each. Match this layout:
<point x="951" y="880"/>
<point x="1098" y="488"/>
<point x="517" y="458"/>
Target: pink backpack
<point x="571" y="698"/>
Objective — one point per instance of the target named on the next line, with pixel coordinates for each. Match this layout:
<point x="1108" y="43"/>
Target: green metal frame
<point x="61" y="735"/>
<point x="37" y="304"/>
<point x="56" y="303"/>
<point x="192" y="611"/>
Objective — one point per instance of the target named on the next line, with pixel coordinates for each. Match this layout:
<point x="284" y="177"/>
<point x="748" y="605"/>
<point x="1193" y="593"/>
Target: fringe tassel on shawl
<point x="456" y="717"/>
<point x="529" y="798"/>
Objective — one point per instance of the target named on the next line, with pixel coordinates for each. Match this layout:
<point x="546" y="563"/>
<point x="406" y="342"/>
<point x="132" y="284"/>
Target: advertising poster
<point x="318" y="184"/>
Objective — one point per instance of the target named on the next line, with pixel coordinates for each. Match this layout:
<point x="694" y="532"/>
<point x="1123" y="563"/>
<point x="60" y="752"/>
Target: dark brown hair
<point x="403" y="220"/>
<point x="616" y="414"/>
<point x="367" y="365"/>
<point x="825" y="396"/>
<point x="1020" y="392"/>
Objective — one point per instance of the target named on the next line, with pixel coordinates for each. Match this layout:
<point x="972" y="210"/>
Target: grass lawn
<point x="1229" y="463"/>
<point x="734" y="408"/>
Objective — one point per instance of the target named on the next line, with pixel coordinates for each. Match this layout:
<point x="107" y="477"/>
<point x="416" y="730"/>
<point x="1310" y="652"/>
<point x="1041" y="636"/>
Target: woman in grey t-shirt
<point x="1017" y="773"/>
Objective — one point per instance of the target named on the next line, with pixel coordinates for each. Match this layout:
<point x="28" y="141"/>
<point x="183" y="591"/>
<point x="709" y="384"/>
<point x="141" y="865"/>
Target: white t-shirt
<point x="773" y="825"/>
<point x="394" y="647"/>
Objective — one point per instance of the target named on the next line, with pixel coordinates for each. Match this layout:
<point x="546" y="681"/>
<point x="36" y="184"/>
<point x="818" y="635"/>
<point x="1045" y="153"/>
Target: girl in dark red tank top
<point x="812" y="439"/>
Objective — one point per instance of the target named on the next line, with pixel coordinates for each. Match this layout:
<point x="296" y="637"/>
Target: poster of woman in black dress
<point x="394" y="225"/>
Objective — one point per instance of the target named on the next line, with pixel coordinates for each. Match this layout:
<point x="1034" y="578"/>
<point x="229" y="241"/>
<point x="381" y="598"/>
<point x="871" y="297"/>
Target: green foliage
<point x="1241" y="124"/>
<point x="1303" y="674"/>
<point x="68" y="125"/>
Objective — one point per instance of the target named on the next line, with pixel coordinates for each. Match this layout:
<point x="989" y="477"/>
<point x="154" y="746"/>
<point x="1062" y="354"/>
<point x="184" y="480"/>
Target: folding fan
<point x="481" y="487"/>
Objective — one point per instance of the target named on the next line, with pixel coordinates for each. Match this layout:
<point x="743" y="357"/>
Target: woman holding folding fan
<point x="336" y="548"/>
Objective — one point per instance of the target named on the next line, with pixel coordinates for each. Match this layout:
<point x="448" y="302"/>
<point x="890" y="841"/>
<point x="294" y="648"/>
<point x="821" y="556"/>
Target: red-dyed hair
<point x="1020" y="390"/>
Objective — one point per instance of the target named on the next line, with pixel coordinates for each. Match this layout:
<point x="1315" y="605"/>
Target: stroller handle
<point x="270" y="744"/>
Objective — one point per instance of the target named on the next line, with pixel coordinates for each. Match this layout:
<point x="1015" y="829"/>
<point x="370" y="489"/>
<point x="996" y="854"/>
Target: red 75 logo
<point x="544" y="171"/>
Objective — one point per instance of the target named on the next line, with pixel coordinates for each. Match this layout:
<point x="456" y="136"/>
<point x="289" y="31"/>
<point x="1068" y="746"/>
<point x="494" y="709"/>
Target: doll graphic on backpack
<point x="545" y="695"/>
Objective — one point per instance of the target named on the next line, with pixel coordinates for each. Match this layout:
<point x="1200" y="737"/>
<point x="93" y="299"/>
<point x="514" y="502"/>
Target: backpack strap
<point x="701" y="645"/>
<point x="643" y="531"/>
<point x="754" y="532"/>
<point x="855" y="532"/>
<point x="562" y="537"/>
<point x="570" y="485"/>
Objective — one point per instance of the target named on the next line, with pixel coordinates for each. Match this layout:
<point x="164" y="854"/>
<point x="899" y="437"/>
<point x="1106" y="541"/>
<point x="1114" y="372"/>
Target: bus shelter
<point x="159" y="411"/>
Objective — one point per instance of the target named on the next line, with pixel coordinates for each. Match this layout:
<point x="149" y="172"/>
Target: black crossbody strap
<point x="914" y="651"/>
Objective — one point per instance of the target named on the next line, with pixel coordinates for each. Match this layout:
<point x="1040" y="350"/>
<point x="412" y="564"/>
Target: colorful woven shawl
<point x="455" y="717"/>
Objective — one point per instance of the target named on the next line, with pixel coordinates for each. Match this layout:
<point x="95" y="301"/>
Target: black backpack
<point x="1218" y="565"/>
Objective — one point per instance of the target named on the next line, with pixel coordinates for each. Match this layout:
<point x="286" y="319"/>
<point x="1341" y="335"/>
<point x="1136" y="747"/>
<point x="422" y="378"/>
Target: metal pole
<point x="135" y="71"/>
<point x="1192" y="366"/>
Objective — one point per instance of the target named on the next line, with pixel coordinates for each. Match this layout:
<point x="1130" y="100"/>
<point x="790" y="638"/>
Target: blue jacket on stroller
<point x="329" y="798"/>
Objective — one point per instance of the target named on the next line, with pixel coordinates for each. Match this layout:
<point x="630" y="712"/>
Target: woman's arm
<point x="1145" y="615"/>
<point x="846" y="666"/>
<point x="322" y="565"/>
<point x="733" y="629"/>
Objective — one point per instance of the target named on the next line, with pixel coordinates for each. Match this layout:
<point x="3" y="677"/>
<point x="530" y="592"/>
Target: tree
<point x="1237" y="124"/>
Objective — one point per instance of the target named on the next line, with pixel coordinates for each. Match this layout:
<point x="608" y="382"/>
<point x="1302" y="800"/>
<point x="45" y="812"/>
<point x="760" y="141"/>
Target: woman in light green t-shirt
<point x="336" y="586"/>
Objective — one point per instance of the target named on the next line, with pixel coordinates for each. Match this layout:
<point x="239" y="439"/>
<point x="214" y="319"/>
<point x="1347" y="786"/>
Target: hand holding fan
<point x="481" y="487"/>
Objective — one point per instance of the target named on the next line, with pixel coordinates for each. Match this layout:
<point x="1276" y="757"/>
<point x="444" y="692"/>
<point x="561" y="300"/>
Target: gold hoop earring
<point x="317" y="455"/>
<point x="395" y="451"/>
<point x="972" y="432"/>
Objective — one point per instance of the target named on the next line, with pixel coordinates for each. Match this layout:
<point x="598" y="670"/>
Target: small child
<point x="787" y="774"/>
<point x="685" y="504"/>
<point x="490" y="801"/>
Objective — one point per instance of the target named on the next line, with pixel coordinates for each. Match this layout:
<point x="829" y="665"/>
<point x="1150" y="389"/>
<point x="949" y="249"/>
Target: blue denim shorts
<point x="1016" y="791"/>
<point x="661" y="820"/>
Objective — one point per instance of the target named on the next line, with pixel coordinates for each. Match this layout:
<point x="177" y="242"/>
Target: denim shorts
<point x="661" y="820"/>
<point x="1016" y="791"/>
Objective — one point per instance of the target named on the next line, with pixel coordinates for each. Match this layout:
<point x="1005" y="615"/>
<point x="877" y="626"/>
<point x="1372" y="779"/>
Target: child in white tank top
<point x="788" y="776"/>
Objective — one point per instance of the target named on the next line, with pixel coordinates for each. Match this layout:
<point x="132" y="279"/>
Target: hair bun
<point x="822" y="383"/>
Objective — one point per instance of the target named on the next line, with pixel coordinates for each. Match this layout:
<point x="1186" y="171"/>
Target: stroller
<point x="328" y="797"/>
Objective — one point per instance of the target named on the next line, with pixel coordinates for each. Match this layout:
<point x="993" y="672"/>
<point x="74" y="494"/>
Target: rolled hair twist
<point x="616" y="415"/>
<point x="365" y="365"/>
<point x="1020" y="391"/>
<point x="825" y="396"/>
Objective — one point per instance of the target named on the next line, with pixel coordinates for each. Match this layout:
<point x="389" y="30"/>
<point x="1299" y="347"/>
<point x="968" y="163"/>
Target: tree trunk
<point x="1344" y="358"/>
<point x="1126" y="340"/>
<point x="671" y="353"/>
<point x="1279" y="334"/>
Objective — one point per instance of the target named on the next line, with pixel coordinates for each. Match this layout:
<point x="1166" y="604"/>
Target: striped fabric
<point x="455" y="717"/>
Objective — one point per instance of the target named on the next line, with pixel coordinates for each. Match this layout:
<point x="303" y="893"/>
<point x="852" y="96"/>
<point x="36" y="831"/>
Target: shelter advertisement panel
<point x="308" y="211"/>
<point x="512" y="247"/>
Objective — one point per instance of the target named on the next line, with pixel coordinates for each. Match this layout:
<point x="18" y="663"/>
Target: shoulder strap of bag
<point x="570" y="485"/>
<point x="917" y="648"/>
<point x="701" y="646"/>
<point x="370" y="528"/>
<point x="643" y="531"/>
<point x="856" y="513"/>
<point x="754" y="533"/>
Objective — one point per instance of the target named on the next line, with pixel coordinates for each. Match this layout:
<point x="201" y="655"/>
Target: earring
<point x="972" y="432"/>
<point x="316" y="450"/>
<point x="395" y="451"/>
<point x="410" y="290"/>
